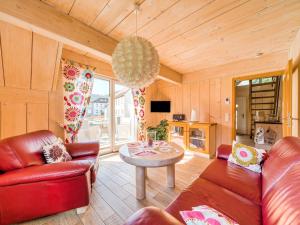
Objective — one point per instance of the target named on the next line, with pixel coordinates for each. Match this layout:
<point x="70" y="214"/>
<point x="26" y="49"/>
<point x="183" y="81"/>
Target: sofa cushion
<point x="247" y="156"/>
<point x="28" y="147"/>
<point x="204" y="192"/>
<point x="9" y="160"/>
<point x="45" y="172"/>
<point x="281" y="204"/>
<point x="204" y="214"/>
<point x="234" y="178"/>
<point x="56" y="152"/>
<point x="282" y="156"/>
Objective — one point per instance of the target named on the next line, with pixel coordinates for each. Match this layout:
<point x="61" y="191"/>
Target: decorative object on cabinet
<point x="194" y="136"/>
<point x="193" y="115"/>
<point x="178" y="117"/>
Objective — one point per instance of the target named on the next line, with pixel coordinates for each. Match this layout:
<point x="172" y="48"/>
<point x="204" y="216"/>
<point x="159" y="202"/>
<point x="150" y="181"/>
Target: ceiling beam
<point x="45" y="20"/>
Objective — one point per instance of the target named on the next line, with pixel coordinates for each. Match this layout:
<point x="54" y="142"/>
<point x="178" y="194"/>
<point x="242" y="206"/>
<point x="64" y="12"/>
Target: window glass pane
<point x="124" y="115"/>
<point x="267" y="80"/>
<point x="97" y="124"/>
<point x="243" y="83"/>
<point x="256" y="81"/>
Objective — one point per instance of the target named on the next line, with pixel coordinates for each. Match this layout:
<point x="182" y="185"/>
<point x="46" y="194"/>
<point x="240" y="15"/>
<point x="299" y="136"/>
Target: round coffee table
<point x="159" y="155"/>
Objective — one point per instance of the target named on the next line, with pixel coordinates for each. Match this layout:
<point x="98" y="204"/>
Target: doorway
<point x="110" y="117"/>
<point x="257" y="109"/>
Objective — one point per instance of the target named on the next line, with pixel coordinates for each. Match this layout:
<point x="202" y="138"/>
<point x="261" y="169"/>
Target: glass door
<point x="177" y="133"/>
<point x="125" y="120"/>
<point x="97" y="122"/>
<point x="197" y="139"/>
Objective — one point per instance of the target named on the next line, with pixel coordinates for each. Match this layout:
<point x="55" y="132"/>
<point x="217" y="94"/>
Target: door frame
<point x="244" y="99"/>
<point x="276" y="73"/>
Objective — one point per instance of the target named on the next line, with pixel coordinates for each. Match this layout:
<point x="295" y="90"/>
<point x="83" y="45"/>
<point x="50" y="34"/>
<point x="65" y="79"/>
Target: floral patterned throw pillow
<point x="247" y="157"/>
<point x="56" y="152"/>
<point x="205" y="215"/>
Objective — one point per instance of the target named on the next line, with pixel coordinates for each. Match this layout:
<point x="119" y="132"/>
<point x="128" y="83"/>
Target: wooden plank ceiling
<point x="191" y="35"/>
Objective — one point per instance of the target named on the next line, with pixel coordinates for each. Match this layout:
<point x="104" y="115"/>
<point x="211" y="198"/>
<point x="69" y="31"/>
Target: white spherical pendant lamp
<point x="135" y="62"/>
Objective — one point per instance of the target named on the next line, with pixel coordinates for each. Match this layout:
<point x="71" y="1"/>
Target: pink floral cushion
<point x="205" y="215"/>
<point x="56" y="152"/>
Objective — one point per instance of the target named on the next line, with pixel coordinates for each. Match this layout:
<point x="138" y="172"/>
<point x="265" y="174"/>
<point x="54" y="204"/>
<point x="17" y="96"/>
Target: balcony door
<point x="109" y="117"/>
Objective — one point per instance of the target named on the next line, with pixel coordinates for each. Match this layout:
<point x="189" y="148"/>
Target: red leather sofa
<point x="29" y="188"/>
<point x="269" y="198"/>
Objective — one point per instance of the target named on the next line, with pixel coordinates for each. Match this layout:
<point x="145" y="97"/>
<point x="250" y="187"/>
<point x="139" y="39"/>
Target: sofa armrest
<point x="224" y="151"/>
<point x="152" y="215"/>
<point x="83" y="149"/>
<point x="47" y="172"/>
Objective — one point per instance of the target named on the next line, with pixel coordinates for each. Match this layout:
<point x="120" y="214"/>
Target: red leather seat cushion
<point x="45" y="173"/>
<point x="91" y="158"/>
<point x="235" y="178"/>
<point x="204" y="192"/>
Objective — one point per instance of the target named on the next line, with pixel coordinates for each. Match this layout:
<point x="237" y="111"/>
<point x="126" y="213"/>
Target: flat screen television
<point x="160" y="106"/>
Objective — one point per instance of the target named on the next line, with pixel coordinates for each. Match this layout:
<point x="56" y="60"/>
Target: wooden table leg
<point x="140" y="183"/>
<point x="171" y="176"/>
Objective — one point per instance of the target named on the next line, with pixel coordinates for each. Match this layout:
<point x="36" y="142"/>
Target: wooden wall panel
<point x="13" y="119"/>
<point x="56" y="109"/>
<point x="205" y="96"/>
<point x="16" y="53"/>
<point x="195" y="98"/>
<point x="30" y="65"/>
<point x="1" y="67"/>
<point x="186" y="100"/>
<point x="294" y="54"/>
<point x="178" y="101"/>
<point x="37" y="117"/>
<point x="204" y="101"/>
<point x="44" y="51"/>
<point x="226" y="92"/>
<point x="215" y="107"/>
<point x="17" y="95"/>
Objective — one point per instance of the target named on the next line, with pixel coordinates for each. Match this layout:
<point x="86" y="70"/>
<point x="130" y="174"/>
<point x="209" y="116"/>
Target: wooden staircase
<point x="264" y="96"/>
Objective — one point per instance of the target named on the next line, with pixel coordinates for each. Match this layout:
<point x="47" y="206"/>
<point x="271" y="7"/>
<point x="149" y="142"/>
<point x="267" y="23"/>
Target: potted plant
<point x="160" y="130"/>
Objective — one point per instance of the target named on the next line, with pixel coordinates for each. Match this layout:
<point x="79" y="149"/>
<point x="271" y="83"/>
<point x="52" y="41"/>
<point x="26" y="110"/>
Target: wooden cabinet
<point x="177" y="133"/>
<point x="196" y="137"/>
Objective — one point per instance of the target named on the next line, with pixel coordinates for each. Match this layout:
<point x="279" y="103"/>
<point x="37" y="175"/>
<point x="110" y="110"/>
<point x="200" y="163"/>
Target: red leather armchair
<point x="29" y="188"/>
<point x="269" y="198"/>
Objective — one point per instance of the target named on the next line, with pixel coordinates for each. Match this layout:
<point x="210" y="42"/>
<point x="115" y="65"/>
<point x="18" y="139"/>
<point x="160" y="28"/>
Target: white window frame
<point x="113" y="147"/>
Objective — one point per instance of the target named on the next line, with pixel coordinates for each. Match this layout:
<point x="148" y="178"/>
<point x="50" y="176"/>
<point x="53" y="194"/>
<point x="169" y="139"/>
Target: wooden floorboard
<point x="113" y="197"/>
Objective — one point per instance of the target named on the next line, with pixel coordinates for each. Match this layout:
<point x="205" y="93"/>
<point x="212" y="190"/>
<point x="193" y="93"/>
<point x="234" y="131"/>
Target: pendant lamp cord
<point x="137" y="7"/>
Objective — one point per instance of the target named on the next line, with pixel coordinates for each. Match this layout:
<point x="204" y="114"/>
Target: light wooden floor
<point x="113" y="198"/>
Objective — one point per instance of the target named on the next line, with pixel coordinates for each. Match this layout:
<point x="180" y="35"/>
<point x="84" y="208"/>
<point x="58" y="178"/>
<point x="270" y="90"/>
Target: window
<point x="96" y="124"/>
<point x="124" y="115"/>
<point x="109" y="100"/>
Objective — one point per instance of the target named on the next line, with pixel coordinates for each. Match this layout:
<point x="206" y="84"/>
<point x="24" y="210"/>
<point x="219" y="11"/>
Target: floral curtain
<point x="139" y="108"/>
<point x="77" y="83"/>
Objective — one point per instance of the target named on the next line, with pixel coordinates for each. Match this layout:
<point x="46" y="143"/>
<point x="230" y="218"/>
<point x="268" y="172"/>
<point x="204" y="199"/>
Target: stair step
<point x="260" y="97"/>
<point x="262" y="103"/>
<point x="263" y="84"/>
<point x="268" y="90"/>
<point x="262" y="109"/>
